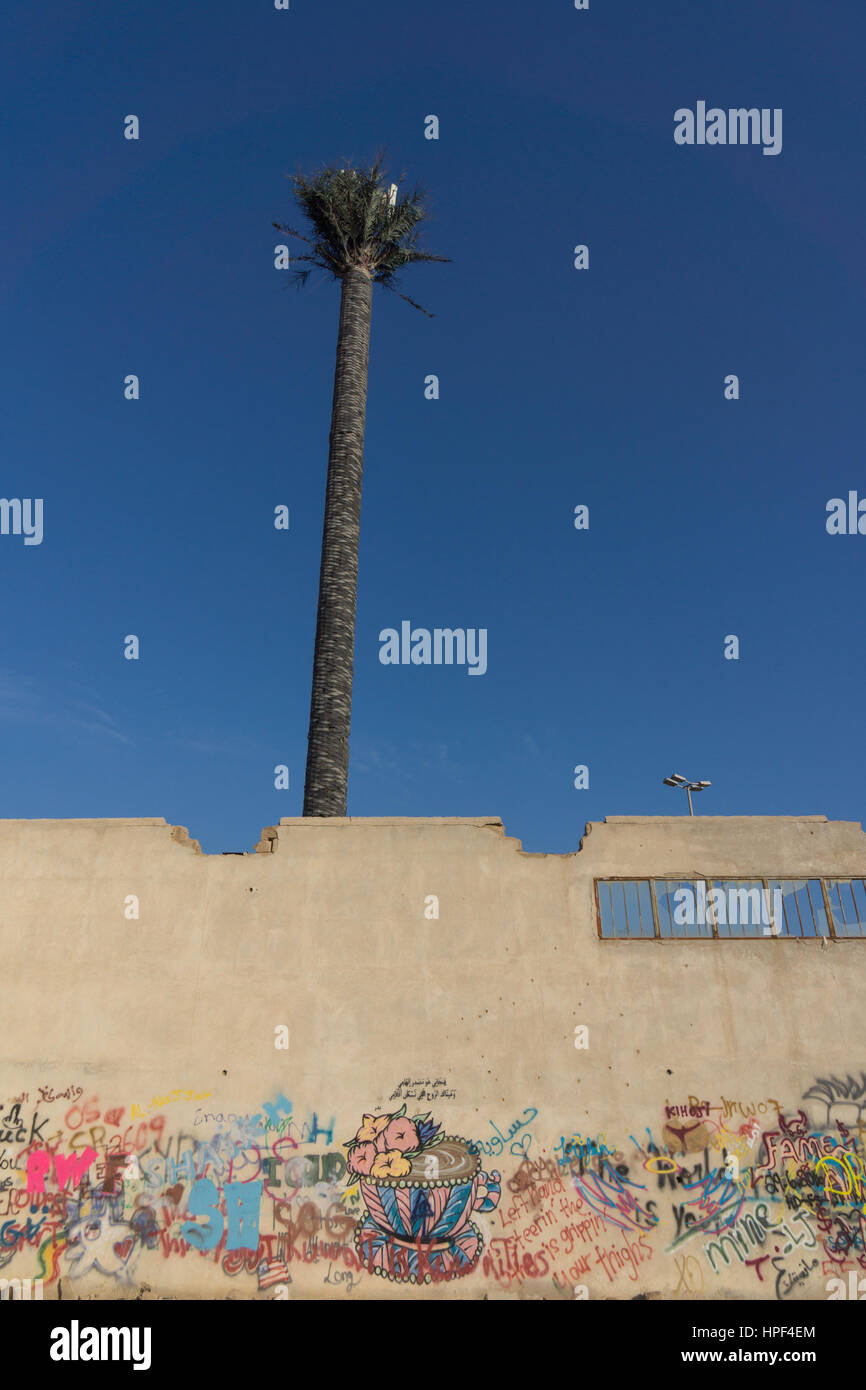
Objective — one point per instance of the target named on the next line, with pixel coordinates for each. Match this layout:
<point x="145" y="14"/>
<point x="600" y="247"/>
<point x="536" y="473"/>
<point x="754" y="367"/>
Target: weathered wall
<point x="156" y="1036"/>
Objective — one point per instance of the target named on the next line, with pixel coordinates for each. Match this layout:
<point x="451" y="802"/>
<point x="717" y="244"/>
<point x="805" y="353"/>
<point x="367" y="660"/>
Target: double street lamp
<point x="675" y="780"/>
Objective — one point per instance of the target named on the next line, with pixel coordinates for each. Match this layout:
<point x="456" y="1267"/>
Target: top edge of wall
<point x="308" y="821"/>
<point x="84" y="820"/>
<point x="693" y="828"/>
<point x="178" y="833"/>
<point x="685" y="819"/>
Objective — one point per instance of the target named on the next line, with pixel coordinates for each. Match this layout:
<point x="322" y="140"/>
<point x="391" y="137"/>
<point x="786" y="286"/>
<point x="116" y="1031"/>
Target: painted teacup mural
<point x="420" y="1188"/>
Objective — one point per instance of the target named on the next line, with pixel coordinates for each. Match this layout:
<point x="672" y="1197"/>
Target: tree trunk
<point x="327" y="778"/>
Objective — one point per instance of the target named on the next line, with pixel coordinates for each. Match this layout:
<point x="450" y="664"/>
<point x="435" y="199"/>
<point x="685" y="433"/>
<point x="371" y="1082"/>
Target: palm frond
<point x="355" y="226"/>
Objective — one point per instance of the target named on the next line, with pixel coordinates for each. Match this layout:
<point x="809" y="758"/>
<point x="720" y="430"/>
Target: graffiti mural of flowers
<point x="420" y="1188"/>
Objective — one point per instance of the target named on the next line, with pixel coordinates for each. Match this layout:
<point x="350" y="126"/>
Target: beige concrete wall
<point x="154" y="1035"/>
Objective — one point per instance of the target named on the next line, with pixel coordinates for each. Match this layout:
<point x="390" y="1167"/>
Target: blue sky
<point x="557" y="387"/>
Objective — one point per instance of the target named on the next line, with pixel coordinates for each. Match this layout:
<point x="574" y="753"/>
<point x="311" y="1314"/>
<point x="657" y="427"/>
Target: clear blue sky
<point x="558" y="387"/>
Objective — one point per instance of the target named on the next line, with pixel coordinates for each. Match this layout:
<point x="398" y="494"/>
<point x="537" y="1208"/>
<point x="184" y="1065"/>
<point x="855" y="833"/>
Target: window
<point x="723" y="909"/>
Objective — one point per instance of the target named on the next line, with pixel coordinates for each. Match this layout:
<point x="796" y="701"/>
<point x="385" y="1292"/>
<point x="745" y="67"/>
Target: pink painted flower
<point x="400" y="1135"/>
<point x="361" y="1159"/>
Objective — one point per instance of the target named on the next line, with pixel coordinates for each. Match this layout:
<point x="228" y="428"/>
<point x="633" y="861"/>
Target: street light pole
<point x="683" y="783"/>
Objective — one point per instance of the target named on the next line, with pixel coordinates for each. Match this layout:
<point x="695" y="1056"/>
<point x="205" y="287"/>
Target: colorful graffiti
<point x="420" y="1188"/>
<point x="771" y="1204"/>
<point x="94" y="1194"/>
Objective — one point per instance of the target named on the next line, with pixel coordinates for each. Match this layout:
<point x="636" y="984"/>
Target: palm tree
<point x="363" y="233"/>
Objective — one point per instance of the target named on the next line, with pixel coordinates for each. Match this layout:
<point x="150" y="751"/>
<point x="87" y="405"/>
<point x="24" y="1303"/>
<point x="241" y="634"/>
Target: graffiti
<point x="109" y="1195"/>
<point x="300" y="1242"/>
<point x="839" y="1099"/>
<point x="304" y="1170"/>
<point x="266" y="1197"/>
<point x="747" y="1111"/>
<point x="685" y="1138"/>
<point x="509" y="1265"/>
<point x="418" y="1228"/>
<point x="794" y="1126"/>
<point x="47" y="1094"/>
<point x="850" y="1231"/>
<point x="139" y="1113"/>
<point x="780" y="1150"/>
<point x="272" y="1272"/>
<point x="630" y="1254"/>
<point x="13" y="1129"/>
<point x="575" y="1232"/>
<point x="843" y="1234"/>
<point x="719" y="1201"/>
<point x="252" y="1123"/>
<point x="238" y="1214"/>
<point x="698" y="1124"/>
<point x="14" y="1236"/>
<point x="787" y="1280"/>
<point x="341" y="1277"/>
<point x="74" y="1168"/>
<point x="385" y="1145"/>
<point x="672" y="1175"/>
<point x="694" y="1108"/>
<point x="582" y="1150"/>
<point x="842" y="1171"/>
<point x="606" y="1193"/>
<point x="282" y="1105"/>
<point x="529" y="1207"/>
<point x="423" y="1090"/>
<point x="691" y="1276"/>
<point x="86" y="1132"/>
<point x="103" y="1243"/>
<point x="533" y="1183"/>
<point x="749" y="1232"/>
<point x="519" y="1147"/>
<point x="562" y="1237"/>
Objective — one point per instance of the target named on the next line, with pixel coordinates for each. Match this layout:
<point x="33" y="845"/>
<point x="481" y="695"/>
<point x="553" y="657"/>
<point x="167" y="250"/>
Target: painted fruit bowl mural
<point x="420" y="1188"/>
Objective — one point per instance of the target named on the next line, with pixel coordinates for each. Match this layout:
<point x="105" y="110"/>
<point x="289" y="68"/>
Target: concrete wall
<point x="148" y="984"/>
